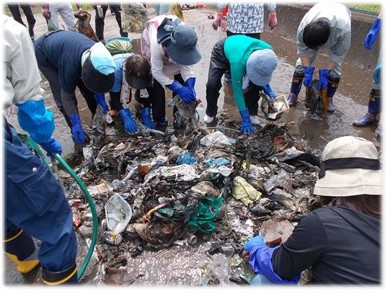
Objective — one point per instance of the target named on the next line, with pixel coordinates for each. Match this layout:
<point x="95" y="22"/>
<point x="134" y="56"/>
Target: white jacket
<point x="162" y="67"/>
<point x="22" y="78"/>
<point x="339" y="18"/>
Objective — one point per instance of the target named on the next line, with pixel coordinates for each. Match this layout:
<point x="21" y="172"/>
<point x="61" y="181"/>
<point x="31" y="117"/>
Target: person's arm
<point x="46" y="11"/>
<point x="340" y="49"/>
<point x="23" y="86"/>
<point x="219" y="15"/>
<point x="298" y="253"/>
<point x="373" y="33"/>
<point x="271" y="6"/>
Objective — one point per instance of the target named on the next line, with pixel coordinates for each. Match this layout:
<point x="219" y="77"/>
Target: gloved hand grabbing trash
<point x="323" y="79"/>
<point x="190" y="84"/>
<point x="217" y="21"/>
<point x="185" y="93"/>
<point x="100" y="99"/>
<point x="254" y="243"/>
<point x="372" y="34"/>
<point x="308" y="82"/>
<point x="269" y="91"/>
<point x="247" y="127"/>
<point x="77" y="131"/>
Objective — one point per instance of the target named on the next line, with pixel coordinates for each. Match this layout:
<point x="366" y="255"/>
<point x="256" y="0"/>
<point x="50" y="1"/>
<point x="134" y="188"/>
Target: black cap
<point x="139" y="82"/>
<point x="94" y="80"/>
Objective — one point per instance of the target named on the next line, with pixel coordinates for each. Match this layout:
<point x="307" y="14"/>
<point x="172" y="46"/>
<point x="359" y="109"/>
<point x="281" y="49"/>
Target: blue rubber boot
<point x="373" y="110"/>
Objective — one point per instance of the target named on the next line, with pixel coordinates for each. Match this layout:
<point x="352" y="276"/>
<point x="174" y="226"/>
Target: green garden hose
<point x="34" y="146"/>
<point x="92" y="206"/>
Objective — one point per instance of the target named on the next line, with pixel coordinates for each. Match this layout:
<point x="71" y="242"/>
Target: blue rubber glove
<point x="100" y="99"/>
<point x="308" y="75"/>
<point x="185" y="94"/>
<point x="77" y="131"/>
<point x="372" y="34"/>
<point x="254" y="243"/>
<point x="247" y="127"/>
<point x="323" y="79"/>
<point x="269" y="91"/>
<point x="377" y="74"/>
<point x="146" y="118"/>
<point x="190" y="84"/>
<point x="52" y="146"/>
<point x="34" y="118"/>
<point x="260" y="262"/>
<point x="129" y="123"/>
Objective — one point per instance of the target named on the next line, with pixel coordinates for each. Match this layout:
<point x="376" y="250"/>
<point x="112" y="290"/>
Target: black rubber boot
<point x="68" y="276"/>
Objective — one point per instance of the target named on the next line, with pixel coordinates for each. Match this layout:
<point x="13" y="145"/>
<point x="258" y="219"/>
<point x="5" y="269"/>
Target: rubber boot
<point x="373" y="110"/>
<point x="146" y="118"/>
<point x="332" y="86"/>
<point x="295" y="88"/>
<point x="68" y="276"/>
<point x="22" y="251"/>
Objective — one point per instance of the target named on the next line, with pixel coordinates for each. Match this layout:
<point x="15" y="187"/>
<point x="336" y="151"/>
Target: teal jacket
<point x="237" y="49"/>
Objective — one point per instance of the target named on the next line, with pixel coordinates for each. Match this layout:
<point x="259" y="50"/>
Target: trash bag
<point x="119" y="45"/>
<point x="51" y="25"/>
<point x="205" y="213"/>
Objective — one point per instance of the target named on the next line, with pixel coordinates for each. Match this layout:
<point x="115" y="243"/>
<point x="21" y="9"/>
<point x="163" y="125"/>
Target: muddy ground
<point x="350" y="102"/>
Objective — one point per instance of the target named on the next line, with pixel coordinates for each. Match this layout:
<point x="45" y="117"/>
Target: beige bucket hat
<point x="350" y="166"/>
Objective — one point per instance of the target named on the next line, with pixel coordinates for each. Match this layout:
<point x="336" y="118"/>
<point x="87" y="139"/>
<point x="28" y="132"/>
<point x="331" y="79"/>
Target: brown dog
<point x="83" y="24"/>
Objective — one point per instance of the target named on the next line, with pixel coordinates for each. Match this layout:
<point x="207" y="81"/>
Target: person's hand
<point x="247" y="127"/>
<point x="52" y="146"/>
<point x="269" y="91"/>
<point x="129" y="123"/>
<point x="77" y="131"/>
<point x="372" y="34"/>
<point x="100" y="99"/>
<point x="308" y="75"/>
<point x="190" y="84"/>
<point x="323" y="79"/>
<point x="185" y="94"/>
<point x="272" y="20"/>
<point x="217" y="21"/>
<point x="46" y="13"/>
<point x="254" y="243"/>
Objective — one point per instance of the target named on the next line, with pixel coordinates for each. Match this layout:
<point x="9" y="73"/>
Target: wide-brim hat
<point x="260" y="66"/>
<point x="139" y="82"/>
<point x="180" y="42"/>
<point x="350" y="166"/>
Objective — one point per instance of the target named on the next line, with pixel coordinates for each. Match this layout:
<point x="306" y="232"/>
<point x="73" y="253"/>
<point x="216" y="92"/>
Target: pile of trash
<point x="209" y="190"/>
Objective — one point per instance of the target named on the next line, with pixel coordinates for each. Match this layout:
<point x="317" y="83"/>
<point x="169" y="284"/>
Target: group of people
<point x="69" y="60"/>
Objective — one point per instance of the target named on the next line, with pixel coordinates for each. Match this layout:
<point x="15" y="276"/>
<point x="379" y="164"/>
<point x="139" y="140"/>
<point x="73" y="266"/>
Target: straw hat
<point x="350" y="166"/>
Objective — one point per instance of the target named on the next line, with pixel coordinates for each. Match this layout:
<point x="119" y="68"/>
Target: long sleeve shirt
<point x="238" y="49"/>
<point x="339" y="18"/>
<point x="162" y="67"/>
<point x="341" y="245"/>
<point x="22" y="77"/>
